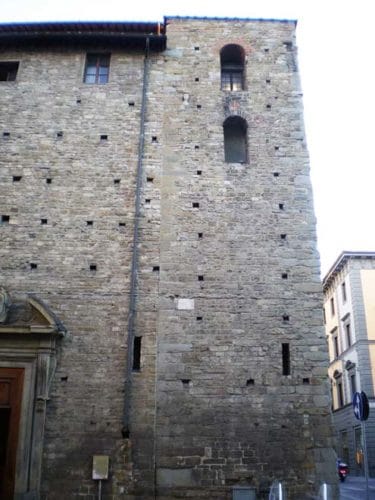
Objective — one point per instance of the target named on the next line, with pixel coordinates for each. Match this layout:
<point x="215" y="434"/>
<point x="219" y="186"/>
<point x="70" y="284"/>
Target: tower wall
<point x="227" y="268"/>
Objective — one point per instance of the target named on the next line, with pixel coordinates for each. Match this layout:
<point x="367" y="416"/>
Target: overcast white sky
<point x="336" y="58"/>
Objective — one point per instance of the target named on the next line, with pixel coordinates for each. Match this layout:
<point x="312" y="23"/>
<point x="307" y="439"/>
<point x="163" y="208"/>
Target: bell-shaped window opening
<point x="232" y="59"/>
<point x="235" y="140"/>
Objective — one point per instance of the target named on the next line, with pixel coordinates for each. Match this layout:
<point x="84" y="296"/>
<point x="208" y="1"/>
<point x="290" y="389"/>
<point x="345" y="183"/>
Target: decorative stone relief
<point x="4" y="304"/>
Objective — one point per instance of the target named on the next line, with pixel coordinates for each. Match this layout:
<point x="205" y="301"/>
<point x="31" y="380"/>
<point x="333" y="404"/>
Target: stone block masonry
<point x="227" y="268"/>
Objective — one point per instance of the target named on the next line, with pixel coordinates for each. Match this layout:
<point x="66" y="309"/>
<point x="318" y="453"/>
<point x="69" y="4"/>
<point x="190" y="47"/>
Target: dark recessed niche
<point x="5" y="219"/>
<point x="33" y="265"/>
<point x="131" y="104"/>
<point x="196" y="48"/>
<point x="44" y="221"/>
<point x="284" y="276"/>
<point x="199" y="318"/>
<point x="200" y="277"/>
<point x="200" y="236"/>
<point x="64" y="379"/>
<point x="78" y="101"/>
<point x="268" y="80"/>
<point x="266" y="50"/>
<point x="195" y="204"/>
<point x="306" y="381"/>
<point x="6" y="135"/>
<point x="196" y="79"/>
<point x="154" y="138"/>
<point x="268" y="106"/>
<point x="276" y="174"/>
<point x="116" y="181"/>
<point x="148" y="201"/>
<point x="199" y="106"/>
<point x="104" y="137"/>
<point x="199" y="172"/>
<point x="185" y="382"/>
<point x="92" y="267"/>
<point x="196" y="146"/>
<point x="137" y="351"/>
<point x="277" y="148"/>
<point x="250" y="381"/>
<point x="285" y="317"/>
<point x="17" y="178"/>
<point x="60" y="134"/>
<point x="122" y="224"/>
<point x="150" y="179"/>
<point x="285" y="352"/>
<point x="281" y="206"/>
<point x="283" y="236"/>
<point x="49" y="180"/>
<point x="90" y="222"/>
<point x="156" y="269"/>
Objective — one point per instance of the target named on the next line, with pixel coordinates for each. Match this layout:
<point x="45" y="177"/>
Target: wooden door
<point x="11" y="385"/>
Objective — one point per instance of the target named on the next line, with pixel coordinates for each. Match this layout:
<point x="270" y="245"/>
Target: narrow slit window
<point x="232" y="58"/>
<point x="235" y="140"/>
<point x="286" y="358"/>
<point x="137" y="353"/>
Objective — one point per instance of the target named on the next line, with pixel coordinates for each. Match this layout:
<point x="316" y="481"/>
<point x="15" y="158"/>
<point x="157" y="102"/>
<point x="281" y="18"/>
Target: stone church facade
<point x="160" y="298"/>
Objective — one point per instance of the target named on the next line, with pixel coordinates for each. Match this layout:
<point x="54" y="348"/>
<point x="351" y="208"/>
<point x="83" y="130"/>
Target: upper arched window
<point x="235" y="139"/>
<point x="232" y="59"/>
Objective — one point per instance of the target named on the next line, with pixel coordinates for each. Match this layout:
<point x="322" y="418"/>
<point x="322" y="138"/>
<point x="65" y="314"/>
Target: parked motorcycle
<point x="342" y="470"/>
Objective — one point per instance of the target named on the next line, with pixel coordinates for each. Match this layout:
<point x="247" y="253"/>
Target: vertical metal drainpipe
<point x="126" y="427"/>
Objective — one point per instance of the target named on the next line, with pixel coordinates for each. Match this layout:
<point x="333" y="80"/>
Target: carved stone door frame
<point x="28" y="341"/>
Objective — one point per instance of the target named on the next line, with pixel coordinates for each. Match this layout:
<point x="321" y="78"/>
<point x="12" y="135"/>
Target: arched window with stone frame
<point x="232" y="61"/>
<point x="235" y="140"/>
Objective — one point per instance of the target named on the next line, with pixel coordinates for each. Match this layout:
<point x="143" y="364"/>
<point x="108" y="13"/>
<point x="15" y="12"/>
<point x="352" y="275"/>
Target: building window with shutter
<point x="97" y="68"/>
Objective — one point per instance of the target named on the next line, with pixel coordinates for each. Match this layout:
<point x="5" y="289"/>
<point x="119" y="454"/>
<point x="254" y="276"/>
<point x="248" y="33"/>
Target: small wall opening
<point x="285" y="351"/>
<point x="137" y="345"/>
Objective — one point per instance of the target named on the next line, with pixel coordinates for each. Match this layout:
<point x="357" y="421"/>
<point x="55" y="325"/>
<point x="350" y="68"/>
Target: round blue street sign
<point x="360" y="406"/>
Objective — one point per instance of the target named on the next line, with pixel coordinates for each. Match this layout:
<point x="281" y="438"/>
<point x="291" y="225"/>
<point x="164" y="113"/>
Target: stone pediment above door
<point x="28" y="315"/>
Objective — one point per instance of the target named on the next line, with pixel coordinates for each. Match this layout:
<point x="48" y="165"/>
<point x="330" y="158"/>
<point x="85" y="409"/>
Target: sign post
<point x="361" y="409"/>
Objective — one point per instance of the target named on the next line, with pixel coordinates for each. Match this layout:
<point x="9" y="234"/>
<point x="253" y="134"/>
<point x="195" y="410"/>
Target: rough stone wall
<point x="210" y="407"/>
<point x="225" y="413"/>
<point x="86" y="402"/>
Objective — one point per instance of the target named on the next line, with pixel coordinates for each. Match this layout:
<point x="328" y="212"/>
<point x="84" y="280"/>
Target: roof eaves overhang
<point x="340" y="263"/>
<point x="122" y="35"/>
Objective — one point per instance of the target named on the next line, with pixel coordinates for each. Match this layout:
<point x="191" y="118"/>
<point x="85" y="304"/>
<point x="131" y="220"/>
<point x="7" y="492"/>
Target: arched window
<point x="232" y="67"/>
<point x="235" y="143"/>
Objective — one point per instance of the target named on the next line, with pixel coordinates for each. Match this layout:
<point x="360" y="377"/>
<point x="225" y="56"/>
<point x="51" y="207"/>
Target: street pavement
<point x="354" y="488"/>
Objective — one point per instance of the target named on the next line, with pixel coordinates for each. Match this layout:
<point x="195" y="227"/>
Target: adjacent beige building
<point x="349" y="310"/>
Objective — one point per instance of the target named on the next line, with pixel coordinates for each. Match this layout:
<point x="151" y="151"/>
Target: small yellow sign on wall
<point x="100" y="467"/>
